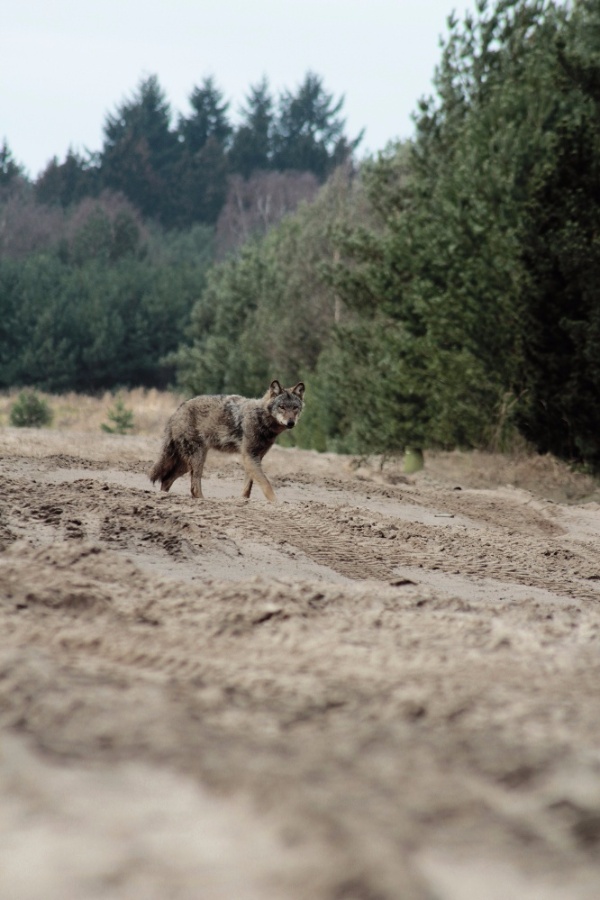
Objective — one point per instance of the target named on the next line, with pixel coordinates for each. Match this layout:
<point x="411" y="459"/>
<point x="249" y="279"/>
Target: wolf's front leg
<point x="254" y="472"/>
<point x="247" y="489"/>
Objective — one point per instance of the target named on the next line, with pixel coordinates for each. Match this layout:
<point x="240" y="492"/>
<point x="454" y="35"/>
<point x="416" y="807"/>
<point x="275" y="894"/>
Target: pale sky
<point x="65" y="64"/>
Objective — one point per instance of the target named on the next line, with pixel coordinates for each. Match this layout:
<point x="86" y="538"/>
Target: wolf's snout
<point x="290" y="423"/>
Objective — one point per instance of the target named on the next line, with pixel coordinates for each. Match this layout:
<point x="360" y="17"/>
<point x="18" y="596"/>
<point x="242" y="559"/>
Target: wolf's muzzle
<point x="291" y="423"/>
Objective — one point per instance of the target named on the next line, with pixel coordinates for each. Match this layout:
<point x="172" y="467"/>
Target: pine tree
<point x="201" y="176"/>
<point x="140" y="151"/>
<point x="252" y="146"/>
<point x="208" y="118"/>
<point x="68" y="182"/>
<point x="440" y="286"/>
<point x="561" y="255"/>
<point x="309" y="135"/>
<point x="9" y="168"/>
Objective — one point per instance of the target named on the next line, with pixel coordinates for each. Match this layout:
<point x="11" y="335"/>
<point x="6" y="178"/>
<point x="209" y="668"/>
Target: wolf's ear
<point x="299" y="389"/>
<point x="275" y="388"/>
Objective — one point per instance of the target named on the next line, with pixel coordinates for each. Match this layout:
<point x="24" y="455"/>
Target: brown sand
<point x="374" y="689"/>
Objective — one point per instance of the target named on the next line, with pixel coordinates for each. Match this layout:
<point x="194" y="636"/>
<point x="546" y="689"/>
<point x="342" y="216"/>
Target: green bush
<point x="30" y="411"/>
<point x="121" y="418"/>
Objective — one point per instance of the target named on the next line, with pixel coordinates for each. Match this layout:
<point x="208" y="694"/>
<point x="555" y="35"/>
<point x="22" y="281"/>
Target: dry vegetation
<point x="77" y="412"/>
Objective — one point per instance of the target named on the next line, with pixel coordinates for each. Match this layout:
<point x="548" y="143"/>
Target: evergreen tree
<point x="9" y="168"/>
<point x="442" y="283"/>
<point x="252" y="146"/>
<point x="140" y="151"/>
<point x="201" y="185"/>
<point x="208" y="119"/>
<point x="68" y="182"/>
<point x="561" y="255"/>
<point x="309" y="135"/>
<point x="30" y="411"/>
<point x="201" y="176"/>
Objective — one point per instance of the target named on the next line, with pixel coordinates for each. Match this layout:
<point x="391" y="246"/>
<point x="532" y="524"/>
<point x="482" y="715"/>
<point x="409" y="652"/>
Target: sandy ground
<point x="376" y="688"/>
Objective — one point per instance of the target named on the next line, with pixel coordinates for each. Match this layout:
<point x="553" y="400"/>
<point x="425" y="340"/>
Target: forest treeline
<point x="103" y="256"/>
<point x="444" y="294"/>
<point x="176" y="170"/>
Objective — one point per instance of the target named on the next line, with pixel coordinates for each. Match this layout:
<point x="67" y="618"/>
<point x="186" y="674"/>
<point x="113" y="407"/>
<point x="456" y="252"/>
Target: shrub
<point x="121" y="417"/>
<point x="30" y="411"/>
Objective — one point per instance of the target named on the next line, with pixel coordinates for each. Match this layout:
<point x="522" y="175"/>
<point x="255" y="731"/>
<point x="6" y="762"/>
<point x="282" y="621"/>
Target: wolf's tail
<point x="167" y="464"/>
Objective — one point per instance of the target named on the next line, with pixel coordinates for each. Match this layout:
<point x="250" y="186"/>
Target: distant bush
<point x="121" y="418"/>
<point x="30" y="411"/>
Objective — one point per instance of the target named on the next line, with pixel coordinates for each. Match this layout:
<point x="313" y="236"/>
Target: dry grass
<point x="78" y="412"/>
<point x="545" y="476"/>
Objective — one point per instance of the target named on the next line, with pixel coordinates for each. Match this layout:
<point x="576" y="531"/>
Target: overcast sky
<point x="65" y="64"/>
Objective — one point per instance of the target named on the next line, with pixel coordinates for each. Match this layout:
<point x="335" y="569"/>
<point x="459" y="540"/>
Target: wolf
<point x="229" y="423"/>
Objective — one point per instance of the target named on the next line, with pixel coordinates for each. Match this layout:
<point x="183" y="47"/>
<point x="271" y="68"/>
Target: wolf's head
<point x="285" y="404"/>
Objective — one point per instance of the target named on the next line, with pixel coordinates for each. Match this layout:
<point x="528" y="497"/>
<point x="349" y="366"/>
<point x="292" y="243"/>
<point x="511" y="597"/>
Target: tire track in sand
<point x="352" y="541"/>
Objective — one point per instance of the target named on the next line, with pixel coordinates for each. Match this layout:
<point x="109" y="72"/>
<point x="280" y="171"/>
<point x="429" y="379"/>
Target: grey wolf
<point x="231" y="424"/>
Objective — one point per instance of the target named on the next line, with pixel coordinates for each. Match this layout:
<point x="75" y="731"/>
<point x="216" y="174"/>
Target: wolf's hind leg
<point x="247" y="489"/>
<point x="196" y="467"/>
